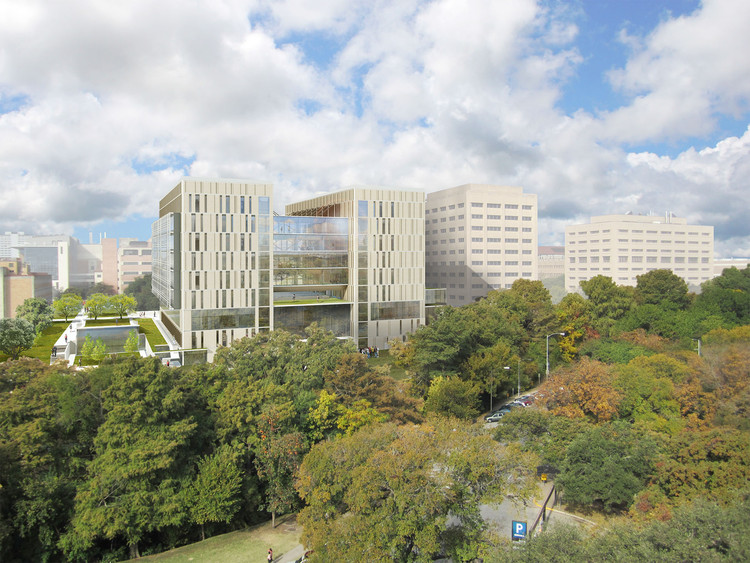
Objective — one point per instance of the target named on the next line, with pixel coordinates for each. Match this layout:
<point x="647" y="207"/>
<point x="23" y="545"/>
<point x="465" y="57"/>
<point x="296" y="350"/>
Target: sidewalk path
<point x="292" y="555"/>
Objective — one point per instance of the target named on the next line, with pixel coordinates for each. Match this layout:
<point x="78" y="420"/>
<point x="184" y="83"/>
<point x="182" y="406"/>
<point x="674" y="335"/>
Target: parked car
<point x="497" y="415"/>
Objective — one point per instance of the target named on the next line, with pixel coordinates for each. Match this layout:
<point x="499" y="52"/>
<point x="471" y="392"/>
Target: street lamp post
<point x="519" y="378"/>
<point x="553" y="334"/>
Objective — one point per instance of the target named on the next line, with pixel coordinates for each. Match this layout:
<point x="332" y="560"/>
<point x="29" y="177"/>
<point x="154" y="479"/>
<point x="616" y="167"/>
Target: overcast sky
<point x="597" y="106"/>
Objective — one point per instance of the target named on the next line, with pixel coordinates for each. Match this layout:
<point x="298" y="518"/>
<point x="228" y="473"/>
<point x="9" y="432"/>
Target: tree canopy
<point x="37" y="311"/>
<point x="16" y="335"/>
<point x="140" y="288"/>
<point x="376" y="495"/>
<point x="68" y="305"/>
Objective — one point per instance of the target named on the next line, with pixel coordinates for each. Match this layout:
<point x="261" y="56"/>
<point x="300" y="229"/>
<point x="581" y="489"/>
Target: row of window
<point x="481" y="228"/>
<point x="640" y="241"/>
<point x="660" y="250"/>
<point x="638" y="259"/>
<point x="648" y="232"/>
<point x="479" y="216"/>
<point x="477" y="251"/>
<point x="479" y="240"/>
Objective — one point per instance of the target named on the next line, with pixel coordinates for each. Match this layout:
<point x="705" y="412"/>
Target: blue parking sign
<point x="518" y="531"/>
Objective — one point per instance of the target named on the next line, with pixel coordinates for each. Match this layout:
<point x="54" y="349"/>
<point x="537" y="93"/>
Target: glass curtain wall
<point x="310" y="258"/>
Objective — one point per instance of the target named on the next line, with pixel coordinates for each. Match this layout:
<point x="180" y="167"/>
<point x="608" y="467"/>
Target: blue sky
<point x="598" y="107"/>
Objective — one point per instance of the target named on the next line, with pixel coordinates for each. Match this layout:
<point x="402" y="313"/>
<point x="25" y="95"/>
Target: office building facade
<point x="551" y="262"/>
<point x="19" y="284"/>
<point x="623" y="247"/>
<point x="224" y="267"/>
<point x="479" y="238"/>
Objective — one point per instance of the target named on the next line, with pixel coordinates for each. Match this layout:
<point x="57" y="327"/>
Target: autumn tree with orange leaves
<point x="583" y="389"/>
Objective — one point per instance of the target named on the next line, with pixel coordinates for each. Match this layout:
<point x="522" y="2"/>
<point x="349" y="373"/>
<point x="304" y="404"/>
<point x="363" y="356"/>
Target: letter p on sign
<point x="518" y="531"/>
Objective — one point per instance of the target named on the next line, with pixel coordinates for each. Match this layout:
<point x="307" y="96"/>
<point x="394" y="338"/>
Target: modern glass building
<point x="224" y="267"/>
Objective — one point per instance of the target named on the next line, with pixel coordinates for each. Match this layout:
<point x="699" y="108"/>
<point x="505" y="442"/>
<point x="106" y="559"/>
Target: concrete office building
<point x="124" y="260"/>
<point x="623" y="247"/>
<point x="479" y="238"/>
<point x="224" y="267"/>
<point x="551" y="262"/>
<point x="133" y="261"/>
<point x="20" y="284"/>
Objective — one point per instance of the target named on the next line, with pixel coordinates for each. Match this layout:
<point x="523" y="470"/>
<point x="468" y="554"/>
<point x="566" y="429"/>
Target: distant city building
<point x="17" y="286"/>
<point x="551" y="262"/>
<point x="133" y="261"/>
<point x="720" y="264"/>
<point x="72" y="264"/>
<point x="623" y="247"/>
<point x="124" y="260"/>
<point x="48" y="254"/>
<point x="224" y="267"/>
<point x="479" y="238"/>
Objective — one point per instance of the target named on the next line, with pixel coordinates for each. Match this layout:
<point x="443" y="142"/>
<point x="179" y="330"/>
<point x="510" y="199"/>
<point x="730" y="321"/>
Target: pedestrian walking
<point x="270" y="555"/>
<point x="54" y="351"/>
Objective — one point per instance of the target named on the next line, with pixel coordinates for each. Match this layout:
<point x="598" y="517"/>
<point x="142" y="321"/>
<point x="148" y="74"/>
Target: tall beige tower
<point x="479" y="238"/>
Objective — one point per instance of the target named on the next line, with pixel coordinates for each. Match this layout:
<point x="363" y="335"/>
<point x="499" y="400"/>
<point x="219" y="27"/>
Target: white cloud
<point x="688" y="70"/>
<point x="422" y="94"/>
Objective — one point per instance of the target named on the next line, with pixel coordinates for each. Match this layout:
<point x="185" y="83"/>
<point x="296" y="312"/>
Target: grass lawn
<point x="107" y="321"/>
<point x="152" y="333"/>
<point x="42" y="348"/>
<point x="237" y="547"/>
<point x="383" y="359"/>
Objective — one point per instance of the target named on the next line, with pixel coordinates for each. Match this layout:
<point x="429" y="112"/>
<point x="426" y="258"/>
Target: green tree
<point x="728" y="295"/>
<point x="354" y="380"/>
<point x="68" y="305"/>
<point x="47" y="424"/>
<point x="214" y="495"/>
<point x="386" y="493"/>
<point x="99" y="351"/>
<point x="662" y="287"/>
<point x="608" y="302"/>
<point x="609" y="464"/>
<point x="451" y="396"/>
<point x="277" y="461"/>
<point x="93" y="351"/>
<point x="490" y="369"/>
<point x="97" y="304"/>
<point x="541" y="432"/>
<point x="573" y="319"/>
<point x="37" y="311"/>
<point x="132" y="343"/>
<point x="122" y="304"/>
<point x="99" y="287"/>
<point x="140" y="288"/>
<point x="536" y="297"/>
<point x="16" y="335"/>
<point x="144" y="454"/>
